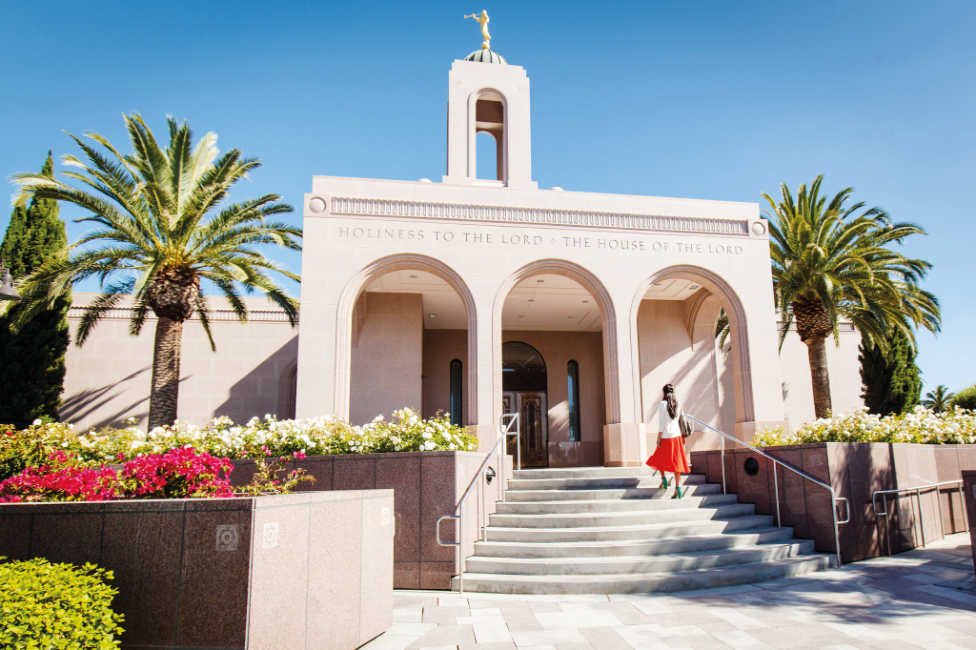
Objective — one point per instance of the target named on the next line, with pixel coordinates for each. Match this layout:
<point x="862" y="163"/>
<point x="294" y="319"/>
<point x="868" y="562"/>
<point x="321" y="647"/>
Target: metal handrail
<point x="504" y="431"/>
<point x="917" y="489"/>
<point x="834" y="499"/>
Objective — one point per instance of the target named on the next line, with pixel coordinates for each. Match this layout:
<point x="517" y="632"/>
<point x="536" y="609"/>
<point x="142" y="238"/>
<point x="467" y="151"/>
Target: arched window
<point x="456" y="391"/>
<point x="572" y="390"/>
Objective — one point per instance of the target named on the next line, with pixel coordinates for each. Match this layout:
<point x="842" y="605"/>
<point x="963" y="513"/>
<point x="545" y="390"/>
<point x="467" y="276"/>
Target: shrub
<point x="966" y="398"/>
<point x="920" y="426"/>
<point x="177" y="474"/>
<point x="325" y="435"/>
<point x="48" y="605"/>
<point x="31" y="447"/>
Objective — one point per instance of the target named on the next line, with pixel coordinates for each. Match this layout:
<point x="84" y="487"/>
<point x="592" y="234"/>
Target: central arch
<point x="604" y="302"/>
<point x="344" y="315"/>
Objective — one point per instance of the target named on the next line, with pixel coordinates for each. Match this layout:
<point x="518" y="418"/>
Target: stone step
<point x="607" y="548"/>
<point x="644" y="582"/>
<point x="584" y="472"/>
<point x="611" y="505"/>
<point x="611" y="519"/>
<point x="607" y="494"/>
<point x="631" y="532"/>
<point x="589" y="565"/>
<point x="595" y="483"/>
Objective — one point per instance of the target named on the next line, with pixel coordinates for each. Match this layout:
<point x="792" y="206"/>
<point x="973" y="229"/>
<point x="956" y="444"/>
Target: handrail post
<point x="962" y="500"/>
<point x="833" y="512"/>
<point x="779" y="524"/>
<point x="460" y="548"/>
<point x="518" y="442"/>
<point x="724" y="491"/>
<point x="938" y="502"/>
<point x="921" y="519"/>
<point x="887" y="523"/>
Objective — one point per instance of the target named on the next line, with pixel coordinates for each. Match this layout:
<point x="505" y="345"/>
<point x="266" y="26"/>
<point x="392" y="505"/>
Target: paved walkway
<point x="925" y="598"/>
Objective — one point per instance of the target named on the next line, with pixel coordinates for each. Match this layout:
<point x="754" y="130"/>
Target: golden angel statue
<point x="483" y="19"/>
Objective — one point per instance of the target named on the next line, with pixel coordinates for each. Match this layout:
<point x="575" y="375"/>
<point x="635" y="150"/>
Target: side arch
<point x="715" y="284"/>
<point x="592" y="284"/>
<point x="347" y="302"/>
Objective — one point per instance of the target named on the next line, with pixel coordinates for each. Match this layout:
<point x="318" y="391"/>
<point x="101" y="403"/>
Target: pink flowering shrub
<point x="62" y="478"/>
<point x="178" y="473"/>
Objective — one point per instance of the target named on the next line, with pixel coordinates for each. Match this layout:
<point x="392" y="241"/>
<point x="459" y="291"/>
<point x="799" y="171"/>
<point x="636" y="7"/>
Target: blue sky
<point x="713" y="100"/>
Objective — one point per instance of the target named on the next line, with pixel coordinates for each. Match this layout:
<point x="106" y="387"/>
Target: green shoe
<point x="664" y="482"/>
<point x="677" y="492"/>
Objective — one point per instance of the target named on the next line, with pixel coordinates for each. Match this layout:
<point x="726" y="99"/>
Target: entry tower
<point x="488" y="95"/>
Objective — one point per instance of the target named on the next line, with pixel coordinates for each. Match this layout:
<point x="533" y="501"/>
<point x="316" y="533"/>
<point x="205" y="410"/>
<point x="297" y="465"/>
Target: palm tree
<point x="831" y="260"/>
<point x="938" y="400"/>
<point x="160" y="233"/>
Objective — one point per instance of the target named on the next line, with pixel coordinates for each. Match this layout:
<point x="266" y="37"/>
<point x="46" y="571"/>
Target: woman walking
<point x="670" y="453"/>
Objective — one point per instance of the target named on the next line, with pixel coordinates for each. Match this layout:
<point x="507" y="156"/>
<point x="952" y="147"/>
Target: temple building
<point x="484" y="294"/>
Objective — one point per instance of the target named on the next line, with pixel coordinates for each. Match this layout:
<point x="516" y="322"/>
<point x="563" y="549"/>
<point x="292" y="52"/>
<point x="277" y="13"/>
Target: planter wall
<point x="969" y="489"/>
<point x="291" y="571"/>
<point x="855" y="471"/>
<point x="426" y="486"/>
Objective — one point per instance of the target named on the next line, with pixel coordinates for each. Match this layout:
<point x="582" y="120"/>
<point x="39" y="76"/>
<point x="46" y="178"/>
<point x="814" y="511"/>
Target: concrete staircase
<point x="613" y="530"/>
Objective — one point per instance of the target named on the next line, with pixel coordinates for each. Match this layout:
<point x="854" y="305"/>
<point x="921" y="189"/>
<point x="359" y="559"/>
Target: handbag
<point x="684" y="425"/>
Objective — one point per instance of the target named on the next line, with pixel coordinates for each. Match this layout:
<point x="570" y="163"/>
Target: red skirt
<point x="670" y="456"/>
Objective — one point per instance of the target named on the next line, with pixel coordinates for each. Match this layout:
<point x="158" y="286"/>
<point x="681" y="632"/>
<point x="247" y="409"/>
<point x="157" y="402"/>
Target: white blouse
<point x="668" y="426"/>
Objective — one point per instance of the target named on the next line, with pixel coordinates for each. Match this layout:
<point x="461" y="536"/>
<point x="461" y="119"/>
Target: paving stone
<point x="605" y="638"/>
<point x="446" y="634"/>
<point x="449" y="615"/>
<point x="549" y="637"/>
<point x="494" y="631"/>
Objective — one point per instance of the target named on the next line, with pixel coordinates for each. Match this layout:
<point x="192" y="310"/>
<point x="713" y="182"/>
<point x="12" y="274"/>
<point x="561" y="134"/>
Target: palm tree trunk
<point x="166" y="372"/>
<point x="817" y="353"/>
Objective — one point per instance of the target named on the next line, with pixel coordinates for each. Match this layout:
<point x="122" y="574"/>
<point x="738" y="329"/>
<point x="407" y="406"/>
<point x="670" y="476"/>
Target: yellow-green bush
<point x="919" y="426"/>
<point x="46" y="605"/>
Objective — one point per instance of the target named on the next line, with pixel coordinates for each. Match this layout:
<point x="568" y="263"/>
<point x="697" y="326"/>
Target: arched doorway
<point x="525" y="391"/>
<point x="406" y="337"/>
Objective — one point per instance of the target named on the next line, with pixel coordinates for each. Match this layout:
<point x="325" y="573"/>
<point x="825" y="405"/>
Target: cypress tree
<point x="32" y="359"/>
<point x="890" y="380"/>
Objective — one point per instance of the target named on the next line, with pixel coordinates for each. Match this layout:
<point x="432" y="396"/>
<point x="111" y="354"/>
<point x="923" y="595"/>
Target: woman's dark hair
<point x="671" y="400"/>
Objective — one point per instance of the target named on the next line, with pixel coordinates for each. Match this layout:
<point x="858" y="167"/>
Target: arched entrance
<point x="525" y="391"/>
<point x="673" y="321"/>
<point x="565" y="313"/>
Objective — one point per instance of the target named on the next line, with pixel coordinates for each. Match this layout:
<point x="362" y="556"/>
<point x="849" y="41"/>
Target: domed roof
<point x="486" y="56"/>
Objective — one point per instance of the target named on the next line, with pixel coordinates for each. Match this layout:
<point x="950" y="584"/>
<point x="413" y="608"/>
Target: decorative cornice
<point x="536" y="216"/>
<point x="253" y="315"/>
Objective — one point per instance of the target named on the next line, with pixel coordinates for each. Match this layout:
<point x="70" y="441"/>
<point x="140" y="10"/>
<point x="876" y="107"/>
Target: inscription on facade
<point x="515" y="237"/>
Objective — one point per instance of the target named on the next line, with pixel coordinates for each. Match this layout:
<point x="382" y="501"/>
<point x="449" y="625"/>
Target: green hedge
<point x="46" y="605"/>
<point x="966" y="398"/>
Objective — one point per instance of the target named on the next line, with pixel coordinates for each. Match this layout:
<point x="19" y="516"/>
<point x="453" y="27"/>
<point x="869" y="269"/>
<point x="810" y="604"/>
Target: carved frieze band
<point x="253" y="315"/>
<point x="542" y="216"/>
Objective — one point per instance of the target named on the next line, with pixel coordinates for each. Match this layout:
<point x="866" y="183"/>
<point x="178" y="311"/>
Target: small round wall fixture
<point x="751" y="466"/>
<point x="317" y="204"/>
<point x="758" y="228"/>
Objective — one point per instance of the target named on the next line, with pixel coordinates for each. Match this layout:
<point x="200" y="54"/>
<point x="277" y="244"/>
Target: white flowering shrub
<point x="322" y="436"/>
<point x="920" y="426"/>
